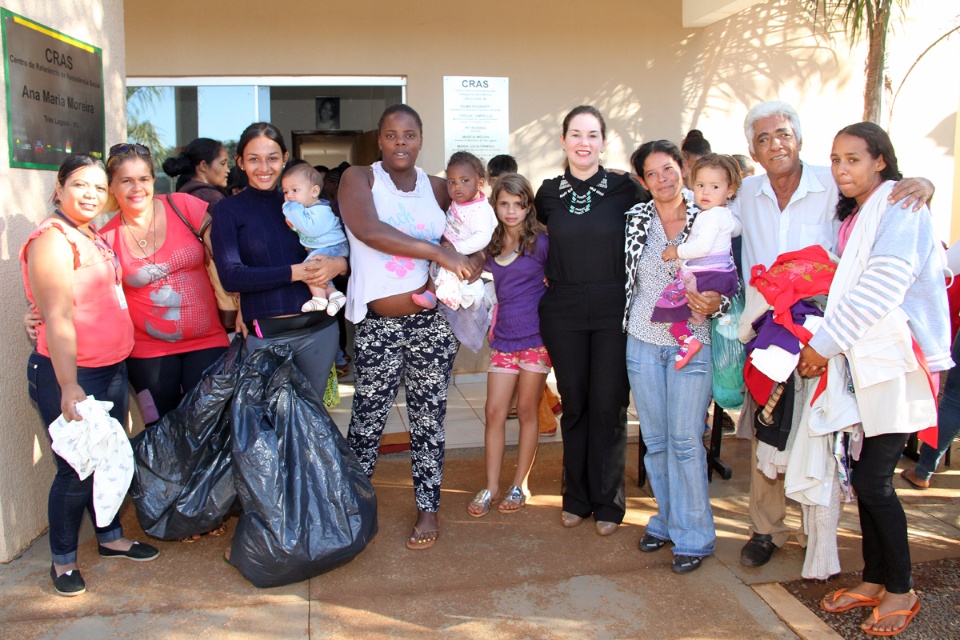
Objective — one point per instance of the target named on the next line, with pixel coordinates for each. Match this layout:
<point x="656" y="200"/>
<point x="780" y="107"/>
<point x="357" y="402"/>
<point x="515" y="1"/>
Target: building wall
<point x="650" y="76"/>
<point x="26" y="466"/>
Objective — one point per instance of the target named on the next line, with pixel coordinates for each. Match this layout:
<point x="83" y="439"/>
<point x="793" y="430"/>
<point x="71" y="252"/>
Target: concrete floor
<point x="503" y="576"/>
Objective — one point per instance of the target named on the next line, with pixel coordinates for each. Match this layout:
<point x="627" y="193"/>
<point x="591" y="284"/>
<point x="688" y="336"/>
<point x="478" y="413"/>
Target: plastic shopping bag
<point x="183" y="485"/>
<point x="729" y="357"/>
<point x="307" y="506"/>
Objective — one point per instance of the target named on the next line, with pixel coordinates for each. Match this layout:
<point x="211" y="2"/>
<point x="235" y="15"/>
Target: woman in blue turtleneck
<point x="260" y="257"/>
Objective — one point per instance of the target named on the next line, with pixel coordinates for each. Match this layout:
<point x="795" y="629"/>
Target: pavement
<point x="503" y="576"/>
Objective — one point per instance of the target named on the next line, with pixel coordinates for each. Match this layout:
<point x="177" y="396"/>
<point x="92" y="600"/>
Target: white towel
<point x="97" y="444"/>
<point x="892" y="391"/>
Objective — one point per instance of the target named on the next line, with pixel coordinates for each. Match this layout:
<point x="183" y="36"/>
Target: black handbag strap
<point x="176" y="210"/>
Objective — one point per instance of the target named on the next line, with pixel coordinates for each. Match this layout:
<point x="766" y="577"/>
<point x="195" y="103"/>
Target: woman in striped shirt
<point x="887" y="299"/>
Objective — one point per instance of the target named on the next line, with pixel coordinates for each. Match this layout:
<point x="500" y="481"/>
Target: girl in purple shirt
<point x="517" y="256"/>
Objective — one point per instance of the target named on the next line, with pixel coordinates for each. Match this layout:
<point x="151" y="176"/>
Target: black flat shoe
<point x="686" y="564"/>
<point x="649" y="543"/>
<point x="139" y="552"/>
<point x="69" y="583"/>
<point x="758" y="550"/>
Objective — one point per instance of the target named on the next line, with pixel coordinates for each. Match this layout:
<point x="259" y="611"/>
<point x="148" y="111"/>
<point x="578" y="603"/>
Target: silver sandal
<point x="482" y="503"/>
<point x="514" y="496"/>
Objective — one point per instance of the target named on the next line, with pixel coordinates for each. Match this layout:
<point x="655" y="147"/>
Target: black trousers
<point x="581" y="328"/>
<point x="168" y="378"/>
<point x="883" y="525"/>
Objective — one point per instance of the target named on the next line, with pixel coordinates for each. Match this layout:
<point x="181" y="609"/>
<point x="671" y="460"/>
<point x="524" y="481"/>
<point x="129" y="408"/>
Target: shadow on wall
<point x="719" y="71"/>
<point x="758" y="53"/>
<point x="943" y="132"/>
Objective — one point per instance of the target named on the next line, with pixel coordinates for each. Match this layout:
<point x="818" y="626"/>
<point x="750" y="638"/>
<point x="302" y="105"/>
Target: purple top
<point x="519" y="288"/>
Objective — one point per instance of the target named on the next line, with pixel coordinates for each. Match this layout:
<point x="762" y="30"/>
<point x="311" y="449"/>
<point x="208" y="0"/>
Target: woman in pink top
<point x="177" y="331"/>
<point x="73" y="277"/>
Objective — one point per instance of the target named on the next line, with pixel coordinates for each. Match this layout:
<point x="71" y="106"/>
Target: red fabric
<point x="928" y="435"/>
<point x="104" y="331"/>
<point x="758" y="384"/>
<point x="176" y="313"/>
<point x="794" y="276"/>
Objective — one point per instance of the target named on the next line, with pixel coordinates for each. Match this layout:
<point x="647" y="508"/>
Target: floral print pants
<point x="420" y="348"/>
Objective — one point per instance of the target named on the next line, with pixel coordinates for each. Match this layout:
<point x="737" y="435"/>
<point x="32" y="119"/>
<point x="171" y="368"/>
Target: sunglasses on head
<point x="129" y="147"/>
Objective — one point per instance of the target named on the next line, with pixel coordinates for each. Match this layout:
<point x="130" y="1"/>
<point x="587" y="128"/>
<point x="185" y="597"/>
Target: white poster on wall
<point x="476" y="115"/>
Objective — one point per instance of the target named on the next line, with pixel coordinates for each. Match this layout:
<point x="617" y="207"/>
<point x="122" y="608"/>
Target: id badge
<point x="121" y="298"/>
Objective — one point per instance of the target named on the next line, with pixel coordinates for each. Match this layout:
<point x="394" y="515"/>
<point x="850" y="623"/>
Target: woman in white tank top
<point x="394" y="218"/>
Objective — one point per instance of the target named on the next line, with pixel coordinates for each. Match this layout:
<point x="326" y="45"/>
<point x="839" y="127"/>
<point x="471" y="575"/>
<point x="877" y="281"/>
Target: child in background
<point x="470" y="223"/>
<point x="496" y="167"/>
<point x="706" y="261"/>
<point x="319" y="230"/>
<point x="517" y="256"/>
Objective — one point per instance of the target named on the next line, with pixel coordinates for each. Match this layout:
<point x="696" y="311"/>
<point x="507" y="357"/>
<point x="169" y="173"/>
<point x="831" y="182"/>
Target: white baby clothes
<point x="469" y="228"/>
<point x="97" y="444"/>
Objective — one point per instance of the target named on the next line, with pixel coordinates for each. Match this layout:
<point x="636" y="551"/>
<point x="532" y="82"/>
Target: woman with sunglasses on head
<point x="177" y="332"/>
<point x="260" y="256"/>
<point x="73" y="277"/>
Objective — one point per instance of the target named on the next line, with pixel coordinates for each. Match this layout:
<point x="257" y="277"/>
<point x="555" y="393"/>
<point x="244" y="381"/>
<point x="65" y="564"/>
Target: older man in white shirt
<point x="791" y="207"/>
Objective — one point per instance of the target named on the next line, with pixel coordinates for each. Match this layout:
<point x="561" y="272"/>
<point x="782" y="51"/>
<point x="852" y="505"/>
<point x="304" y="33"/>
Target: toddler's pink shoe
<point x="690" y="348"/>
<point x="427" y="299"/>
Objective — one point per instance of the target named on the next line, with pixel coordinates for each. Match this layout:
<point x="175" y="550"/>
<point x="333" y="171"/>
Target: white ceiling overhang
<point x="702" y="13"/>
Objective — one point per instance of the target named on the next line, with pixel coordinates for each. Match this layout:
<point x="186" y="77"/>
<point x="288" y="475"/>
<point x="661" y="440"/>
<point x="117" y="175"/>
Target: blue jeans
<point x="949" y="424"/>
<point x="69" y="495"/>
<point x="671" y="405"/>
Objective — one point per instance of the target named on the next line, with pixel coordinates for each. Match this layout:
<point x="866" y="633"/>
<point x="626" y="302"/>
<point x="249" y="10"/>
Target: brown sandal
<point x="422" y="540"/>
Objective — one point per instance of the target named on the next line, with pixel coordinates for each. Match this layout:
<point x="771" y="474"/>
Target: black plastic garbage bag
<point x="183" y="483"/>
<point x="307" y="506"/>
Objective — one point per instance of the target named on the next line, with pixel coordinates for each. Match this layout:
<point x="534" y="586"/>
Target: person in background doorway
<point x="331" y="193"/>
<point x="236" y="181"/>
<point x="496" y="167"/>
<point x="202" y="170"/>
<point x="693" y="147"/>
<point x="747" y="168"/>
<point x="322" y="169"/>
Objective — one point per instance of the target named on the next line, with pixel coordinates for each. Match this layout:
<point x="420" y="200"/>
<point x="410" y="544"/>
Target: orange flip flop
<point x="876" y="617"/>
<point x="861" y="601"/>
